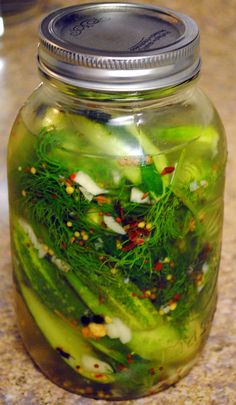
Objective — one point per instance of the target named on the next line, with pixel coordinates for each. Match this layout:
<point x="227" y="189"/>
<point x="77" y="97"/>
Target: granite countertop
<point x="213" y="380"/>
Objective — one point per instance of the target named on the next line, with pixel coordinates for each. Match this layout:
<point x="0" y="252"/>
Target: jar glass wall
<point x="116" y="218"/>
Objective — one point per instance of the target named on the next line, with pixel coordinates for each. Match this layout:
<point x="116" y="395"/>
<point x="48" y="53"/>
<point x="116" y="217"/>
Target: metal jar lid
<point x="119" y="46"/>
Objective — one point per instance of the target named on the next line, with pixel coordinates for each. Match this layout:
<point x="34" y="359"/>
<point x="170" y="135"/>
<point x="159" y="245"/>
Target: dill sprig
<point x="170" y="241"/>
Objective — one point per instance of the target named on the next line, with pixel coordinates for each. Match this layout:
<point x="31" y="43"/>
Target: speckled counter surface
<point x="213" y="379"/>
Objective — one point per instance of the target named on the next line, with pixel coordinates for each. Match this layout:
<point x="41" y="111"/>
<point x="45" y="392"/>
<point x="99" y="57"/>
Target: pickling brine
<point x="116" y="221"/>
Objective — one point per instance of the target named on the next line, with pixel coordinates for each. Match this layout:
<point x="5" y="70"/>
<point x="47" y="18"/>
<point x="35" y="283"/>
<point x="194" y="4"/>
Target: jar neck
<point x="68" y="94"/>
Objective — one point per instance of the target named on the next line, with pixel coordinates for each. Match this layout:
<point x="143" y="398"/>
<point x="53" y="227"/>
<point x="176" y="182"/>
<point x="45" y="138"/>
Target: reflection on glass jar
<point x="116" y="217"/>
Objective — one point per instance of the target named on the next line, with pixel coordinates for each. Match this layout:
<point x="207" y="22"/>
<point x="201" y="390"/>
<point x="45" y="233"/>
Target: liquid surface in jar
<point x="116" y="255"/>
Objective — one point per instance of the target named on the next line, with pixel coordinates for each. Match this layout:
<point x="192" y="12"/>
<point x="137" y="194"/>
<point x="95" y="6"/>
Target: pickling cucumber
<point x="44" y="277"/>
<point x="165" y="343"/>
<point x="67" y="341"/>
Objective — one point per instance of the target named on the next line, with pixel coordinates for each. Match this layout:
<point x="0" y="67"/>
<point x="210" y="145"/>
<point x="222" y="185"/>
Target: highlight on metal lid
<point x="119" y="46"/>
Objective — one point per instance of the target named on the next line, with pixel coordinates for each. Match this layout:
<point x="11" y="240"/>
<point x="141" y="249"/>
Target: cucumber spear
<point x="67" y="341"/>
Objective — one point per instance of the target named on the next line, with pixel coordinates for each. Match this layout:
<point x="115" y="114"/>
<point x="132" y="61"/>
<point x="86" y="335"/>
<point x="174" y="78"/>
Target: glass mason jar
<point x="116" y="179"/>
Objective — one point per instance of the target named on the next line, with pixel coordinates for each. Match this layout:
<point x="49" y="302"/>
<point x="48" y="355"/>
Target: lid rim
<point x="163" y="56"/>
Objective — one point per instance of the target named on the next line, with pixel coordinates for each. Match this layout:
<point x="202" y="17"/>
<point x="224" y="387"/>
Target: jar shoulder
<point x="160" y="124"/>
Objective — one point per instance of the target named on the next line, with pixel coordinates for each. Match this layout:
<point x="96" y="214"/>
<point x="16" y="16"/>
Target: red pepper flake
<point x="118" y="219"/>
<point x="136" y="233"/>
<point x="152" y="371"/>
<point x="121" y="367"/>
<point x="158" y="266"/>
<point x="139" y="241"/>
<point x="130" y="358"/>
<point x="99" y="375"/>
<point x="177" y="297"/>
<point x="54" y="196"/>
<point x="145" y="195"/>
<point x="63" y="245"/>
<point x="96" y="366"/>
<point x="167" y="170"/>
<point x="133" y="235"/>
<point x="100" y="214"/>
<point x="128" y="247"/>
<point x="145" y="232"/>
<point x="100" y="299"/>
<point x="205" y="251"/>
<point x="68" y="182"/>
<point x="73" y="176"/>
<point x="133" y="294"/>
<point x="101" y="199"/>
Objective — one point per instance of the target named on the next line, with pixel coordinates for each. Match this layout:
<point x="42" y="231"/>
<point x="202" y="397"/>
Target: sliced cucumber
<point x="203" y="140"/>
<point x="115" y="300"/>
<point x="45" y="279"/>
<point x="105" y="142"/>
<point x="66" y="341"/>
<point x="52" y="288"/>
<point x="149" y="148"/>
<point x="165" y="345"/>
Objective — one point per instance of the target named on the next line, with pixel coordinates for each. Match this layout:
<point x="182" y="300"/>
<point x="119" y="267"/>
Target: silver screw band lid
<point x="119" y="46"/>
